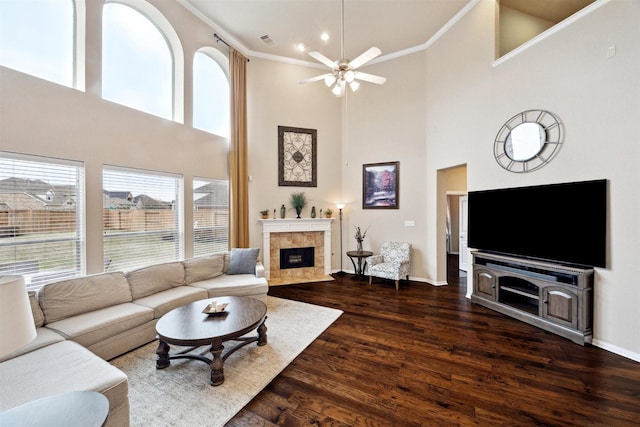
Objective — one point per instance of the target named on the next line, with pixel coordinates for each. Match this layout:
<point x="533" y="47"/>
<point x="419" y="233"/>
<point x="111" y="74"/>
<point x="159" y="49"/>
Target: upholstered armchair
<point x="393" y="262"/>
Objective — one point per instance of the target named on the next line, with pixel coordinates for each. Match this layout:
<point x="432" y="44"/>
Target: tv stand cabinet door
<point x="485" y="283"/>
<point x="560" y="306"/>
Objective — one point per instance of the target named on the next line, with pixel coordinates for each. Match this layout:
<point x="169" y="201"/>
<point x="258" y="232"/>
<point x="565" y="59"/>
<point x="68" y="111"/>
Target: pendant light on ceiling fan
<point x="343" y="72"/>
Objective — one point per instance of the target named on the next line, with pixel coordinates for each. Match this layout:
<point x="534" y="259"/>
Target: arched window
<point x="210" y="92"/>
<point x="38" y="38"/>
<point x="137" y="62"/>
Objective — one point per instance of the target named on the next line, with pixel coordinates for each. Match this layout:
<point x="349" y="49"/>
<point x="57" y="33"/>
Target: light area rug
<point x="181" y="395"/>
<point x="296" y="280"/>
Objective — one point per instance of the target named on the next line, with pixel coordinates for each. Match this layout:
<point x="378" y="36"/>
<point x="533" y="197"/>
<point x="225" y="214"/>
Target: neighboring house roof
<point x="143" y="201"/>
<point x="21" y="193"/>
<point x="116" y="203"/>
<point x="208" y="188"/>
<point x="22" y="201"/>
<point x="209" y="201"/>
<point x="32" y="186"/>
<point x="125" y="195"/>
<point x="63" y="202"/>
<point x="34" y="194"/>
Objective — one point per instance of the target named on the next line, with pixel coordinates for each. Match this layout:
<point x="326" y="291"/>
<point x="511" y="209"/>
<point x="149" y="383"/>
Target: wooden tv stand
<point x="553" y="297"/>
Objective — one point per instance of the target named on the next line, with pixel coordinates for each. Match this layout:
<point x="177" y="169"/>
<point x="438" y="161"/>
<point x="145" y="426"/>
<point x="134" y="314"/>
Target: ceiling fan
<point x="343" y="71"/>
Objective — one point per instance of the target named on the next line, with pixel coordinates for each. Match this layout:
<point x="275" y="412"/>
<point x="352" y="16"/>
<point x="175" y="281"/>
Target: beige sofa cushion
<point x="156" y="278"/>
<point x="38" y="315"/>
<point x="202" y="268"/>
<point x="90" y="328"/>
<point x="235" y="284"/>
<point x="165" y="301"/>
<point x="44" y="338"/>
<point x="82" y="295"/>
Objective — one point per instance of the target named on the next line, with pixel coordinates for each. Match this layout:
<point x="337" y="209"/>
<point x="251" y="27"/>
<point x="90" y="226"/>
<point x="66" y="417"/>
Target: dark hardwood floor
<point x="427" y="356"/>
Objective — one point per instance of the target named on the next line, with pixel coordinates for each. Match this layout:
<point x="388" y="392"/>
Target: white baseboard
<point x="615" y="349"/>
<point x="428" y="281"/>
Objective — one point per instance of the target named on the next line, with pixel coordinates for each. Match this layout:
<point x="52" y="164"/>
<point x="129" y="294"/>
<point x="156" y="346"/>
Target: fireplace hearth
<point x="294" y="234"/>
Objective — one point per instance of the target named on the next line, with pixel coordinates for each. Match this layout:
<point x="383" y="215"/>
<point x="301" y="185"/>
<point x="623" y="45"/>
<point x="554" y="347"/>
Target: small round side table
<point x="361" y="262"/>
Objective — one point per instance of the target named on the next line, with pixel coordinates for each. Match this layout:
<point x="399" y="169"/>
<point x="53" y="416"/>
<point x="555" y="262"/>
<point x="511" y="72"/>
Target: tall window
<point x="37" y="38"/>
<point x="210" y="216"/>
<point x="142" y="217"/>
<point x="137" y="63"/>
<point x="41" y="218"/>
<point x="210" y="96"/>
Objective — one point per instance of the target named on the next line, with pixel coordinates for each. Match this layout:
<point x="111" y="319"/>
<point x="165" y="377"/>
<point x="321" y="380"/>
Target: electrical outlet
<point x="409" y="223"/>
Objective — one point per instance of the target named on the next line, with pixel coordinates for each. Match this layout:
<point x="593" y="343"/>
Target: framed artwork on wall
<point x="380" y="185"/>
<point x="297" y="157"/>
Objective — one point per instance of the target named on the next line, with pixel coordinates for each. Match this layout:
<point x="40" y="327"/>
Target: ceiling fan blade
<point x="314" y="79"/>
<point x="365" y="57"/>
<point x="370" y="78"/>
<point x="320" y="57"/>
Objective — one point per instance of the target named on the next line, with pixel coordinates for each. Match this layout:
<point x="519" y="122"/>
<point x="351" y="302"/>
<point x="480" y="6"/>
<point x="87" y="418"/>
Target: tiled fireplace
<point x="279" y="234"/>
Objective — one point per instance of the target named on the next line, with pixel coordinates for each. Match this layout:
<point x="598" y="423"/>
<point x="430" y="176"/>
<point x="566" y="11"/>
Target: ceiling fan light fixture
<point x="329" y="80"/>
<point x="343" y="71"/>
<point x="349" y="76"/>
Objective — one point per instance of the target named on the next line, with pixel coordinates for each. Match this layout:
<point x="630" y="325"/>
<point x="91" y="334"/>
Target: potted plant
<point x="328" y="212"/>
<point x="298" y="201"/>
<point x="265" y="213"/>
<point x="360" y="237"/>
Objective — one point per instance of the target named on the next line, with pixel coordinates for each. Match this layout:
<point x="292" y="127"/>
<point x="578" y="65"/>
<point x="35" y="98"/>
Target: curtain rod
<point x="219" y="40"/>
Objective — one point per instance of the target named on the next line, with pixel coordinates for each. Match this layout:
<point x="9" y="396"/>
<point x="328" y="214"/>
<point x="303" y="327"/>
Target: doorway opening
<point x="452" y="249"/>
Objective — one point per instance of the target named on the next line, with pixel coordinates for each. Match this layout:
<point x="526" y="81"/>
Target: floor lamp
<point x="340" y="206"/>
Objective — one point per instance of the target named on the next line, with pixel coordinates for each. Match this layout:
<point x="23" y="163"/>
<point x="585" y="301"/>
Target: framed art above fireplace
<point x="297" y="162"/>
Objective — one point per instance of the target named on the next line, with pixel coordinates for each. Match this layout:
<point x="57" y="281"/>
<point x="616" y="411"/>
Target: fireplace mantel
<point x="293" y="225"/>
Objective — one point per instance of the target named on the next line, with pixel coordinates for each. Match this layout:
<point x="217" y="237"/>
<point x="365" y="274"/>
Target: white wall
<point x="276" y="99"/>
<point x="518" y="27"/>
<point x="383" y="124"/>
<point x="596" y="97"/>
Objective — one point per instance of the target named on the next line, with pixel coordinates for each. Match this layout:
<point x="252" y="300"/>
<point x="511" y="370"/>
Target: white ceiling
<point x="390" y="25"/>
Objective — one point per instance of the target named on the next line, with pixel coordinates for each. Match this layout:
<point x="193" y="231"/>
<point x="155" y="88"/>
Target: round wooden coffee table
<point x="189" y="326"/>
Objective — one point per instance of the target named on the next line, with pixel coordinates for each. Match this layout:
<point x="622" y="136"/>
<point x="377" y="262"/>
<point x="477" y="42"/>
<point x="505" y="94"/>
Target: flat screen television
<point x="563" y="223"/>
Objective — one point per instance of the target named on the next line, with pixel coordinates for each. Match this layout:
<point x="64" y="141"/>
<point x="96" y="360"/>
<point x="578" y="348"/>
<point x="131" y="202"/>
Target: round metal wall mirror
<point x="527" y="141"/>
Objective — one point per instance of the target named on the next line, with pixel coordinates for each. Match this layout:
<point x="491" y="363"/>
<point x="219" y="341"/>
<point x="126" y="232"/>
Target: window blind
<point x="210" y="216"/>
<point x="142" y="216"/>
<point x="41" y="218"/>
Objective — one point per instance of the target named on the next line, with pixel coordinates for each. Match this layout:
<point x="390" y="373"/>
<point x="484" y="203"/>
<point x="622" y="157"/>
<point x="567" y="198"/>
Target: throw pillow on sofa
<point x="243" y="261"/>
<point x="203" y="268"/>
<point x="38" y="315"/>
<point x="155" y="278"/>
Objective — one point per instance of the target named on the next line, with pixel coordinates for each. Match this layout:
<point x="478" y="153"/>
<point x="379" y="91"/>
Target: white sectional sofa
<point x="84" y="322"/>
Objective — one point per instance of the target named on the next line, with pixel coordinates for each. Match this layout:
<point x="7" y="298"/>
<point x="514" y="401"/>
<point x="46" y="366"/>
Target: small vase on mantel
<point x="313" y="211"/>
<point x="283" y="211"/>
